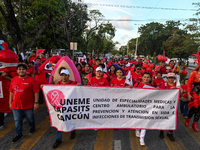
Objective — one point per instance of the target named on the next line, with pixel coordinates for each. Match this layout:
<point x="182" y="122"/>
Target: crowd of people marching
<point x="101" y="72"/>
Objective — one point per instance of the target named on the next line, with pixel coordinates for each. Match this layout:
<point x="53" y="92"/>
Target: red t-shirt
<point x="142" y="71"/>
<point x="162" y="70"/>
<point x="116" y="82"/>
<point x="136" y="77"/>
<point x="30" y="71"/>
<point x="122" y="61"/>
<point x="167" y="86"/>
<point x="94" y="66"/>
<point x="108" y="64"/>
<point x="43" y="59"/>
<point x="125" y="70"/>
<point x="141" y="85"/>
<point x="32" y="58"/>
<point x="23" y="92"/>
<point x="98" y="82"/>
<point x="68" y="83"/>
<point x="158" y="82"/>
<point x="91" y="62"/>
<point x="110" y="76"/>
<point x="185" y="93"/>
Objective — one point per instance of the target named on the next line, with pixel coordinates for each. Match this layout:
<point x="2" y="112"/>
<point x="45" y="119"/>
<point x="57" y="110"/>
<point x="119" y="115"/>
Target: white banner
<point x="83" y="107"/>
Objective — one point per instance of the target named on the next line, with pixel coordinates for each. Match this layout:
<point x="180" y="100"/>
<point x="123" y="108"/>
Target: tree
<point x="72" y="22"/>
<point x="105" y="31"/>
<point x="36" y="16"/>
<point x="181" y="45"/>
<point x="95" y="17"/>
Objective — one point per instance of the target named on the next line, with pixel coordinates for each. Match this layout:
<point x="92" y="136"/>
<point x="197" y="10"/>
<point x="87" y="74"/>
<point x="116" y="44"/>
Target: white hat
<point x="99" y="69"/>
<point x="65" y="72"/>
<point x="168" y="67"/>
<point x="171" y="75"/>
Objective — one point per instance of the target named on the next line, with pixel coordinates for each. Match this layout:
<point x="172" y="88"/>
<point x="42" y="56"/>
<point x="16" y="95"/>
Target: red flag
<point x="89" y="76"/>
<point x="39" y="51"/>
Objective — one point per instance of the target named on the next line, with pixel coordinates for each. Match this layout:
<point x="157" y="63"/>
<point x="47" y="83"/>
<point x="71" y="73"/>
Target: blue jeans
<point x="59" y="135"/>
<point x="184" y="108"/>
<point x="18" y="115"/>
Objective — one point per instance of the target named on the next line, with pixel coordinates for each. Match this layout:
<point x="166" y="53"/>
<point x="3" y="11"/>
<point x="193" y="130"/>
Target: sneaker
<point x="32" y="131"/>
<point x="161" y="135"/>
<point x="24" y="120"/>
<point x="2" y="127"/>
<point x="142" y="142"/>
<point x="72" y="136"/>
<point x="17" y="138"/>
<point x="56" y="144"/>
<point x="5" y="114"/>
<point x="171" y="137"/>
<point x="137" y="133"/>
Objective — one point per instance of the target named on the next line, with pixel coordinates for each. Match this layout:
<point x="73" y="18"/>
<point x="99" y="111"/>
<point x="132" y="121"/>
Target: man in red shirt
<point x="98" y="80"/>
<point x="136" y="75"/>
<point x="32" y="57"/>
<point x="64" y="74"/>
<point x="43" y="58"/>
<point x="24" y="96"/>
<point x="97" y="62"/>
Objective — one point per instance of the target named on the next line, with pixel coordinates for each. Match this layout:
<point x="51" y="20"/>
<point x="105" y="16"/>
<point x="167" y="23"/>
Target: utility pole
<point x="136" y="43"/>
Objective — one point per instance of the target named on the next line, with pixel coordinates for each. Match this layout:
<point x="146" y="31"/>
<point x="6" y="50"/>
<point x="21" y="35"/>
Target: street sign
<point x="73" y="46"/>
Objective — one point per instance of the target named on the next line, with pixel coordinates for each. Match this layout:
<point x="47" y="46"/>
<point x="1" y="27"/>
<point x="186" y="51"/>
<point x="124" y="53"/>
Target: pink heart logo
<point x="54" y="98"/>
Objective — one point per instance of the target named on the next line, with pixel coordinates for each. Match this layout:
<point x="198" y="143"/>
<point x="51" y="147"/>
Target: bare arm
<point x="10" y="99"/>
<point x="36" y="104"/>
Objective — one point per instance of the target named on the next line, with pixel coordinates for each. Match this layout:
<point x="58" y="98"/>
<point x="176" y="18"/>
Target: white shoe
<point x="137" y="133"/>
<point x="5" y="114"/>
<point x="142" y="142"/>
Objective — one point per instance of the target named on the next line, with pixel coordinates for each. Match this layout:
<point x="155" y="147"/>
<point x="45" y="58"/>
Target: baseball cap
<point x="98" y="69"/>
<point x="65" y="72"/>
<point x="171" y="75"/>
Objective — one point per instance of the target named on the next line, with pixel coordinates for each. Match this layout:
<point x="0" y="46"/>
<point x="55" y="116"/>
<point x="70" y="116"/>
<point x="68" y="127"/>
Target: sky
<point x="125" y="30"/>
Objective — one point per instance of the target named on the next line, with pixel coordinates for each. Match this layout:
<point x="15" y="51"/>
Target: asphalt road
<point x="44" y="137"/>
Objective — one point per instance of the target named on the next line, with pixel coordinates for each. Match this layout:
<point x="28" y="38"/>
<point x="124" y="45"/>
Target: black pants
<point x="196" y="112"/>
<point x="1" y="119"/>
<point x="41" y="97"/>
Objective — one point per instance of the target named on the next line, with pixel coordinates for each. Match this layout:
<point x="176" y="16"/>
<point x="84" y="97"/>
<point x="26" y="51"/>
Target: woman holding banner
<point x="145" y="81"/>
<point x="193" y="89"/>
<point x="119" y="80"/>
<point x="168" y="85"/>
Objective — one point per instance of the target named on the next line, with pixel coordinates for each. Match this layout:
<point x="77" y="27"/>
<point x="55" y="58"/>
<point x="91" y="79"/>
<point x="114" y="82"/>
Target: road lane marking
<point x="174" y="145"/>
<point x="191" y="131"/>
<point x="135" y="141"/>
<point x="11" y="125"/>
<point x="32" y="139"/>
<point x="117" y="145"/>
<point x="68" y="144"/>
<point x="104" y="140"/>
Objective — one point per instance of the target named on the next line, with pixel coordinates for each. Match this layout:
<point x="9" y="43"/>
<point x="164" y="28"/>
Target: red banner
<point x="39" y="51"/>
